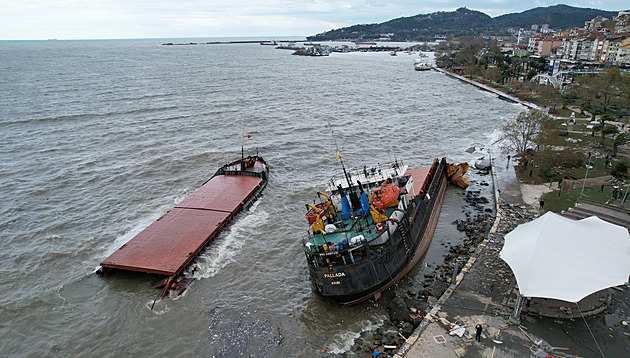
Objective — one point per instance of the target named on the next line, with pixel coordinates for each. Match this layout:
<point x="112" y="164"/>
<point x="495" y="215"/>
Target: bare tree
<point x="600" y="88"/>
<point x="523" y="131"/>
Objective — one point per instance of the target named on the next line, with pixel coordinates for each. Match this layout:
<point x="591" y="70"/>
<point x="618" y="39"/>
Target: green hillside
<point x="464" y="22"/>
<point x="558" y="17"/>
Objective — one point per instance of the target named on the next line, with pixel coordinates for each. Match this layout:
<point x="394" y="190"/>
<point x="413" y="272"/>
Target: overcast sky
<point x="114" y="19"/>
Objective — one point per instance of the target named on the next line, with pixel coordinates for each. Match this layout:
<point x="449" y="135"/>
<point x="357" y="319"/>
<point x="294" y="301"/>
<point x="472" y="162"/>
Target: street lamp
<point x="625" y="195"/>
<point x="588" y="166"/>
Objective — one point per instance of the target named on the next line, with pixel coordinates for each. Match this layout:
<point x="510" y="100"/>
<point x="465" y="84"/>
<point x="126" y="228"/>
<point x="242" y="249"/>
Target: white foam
<point x="159" y="308"/>
<point x="343" y="341"/>
<point x="135" y="230"/>
<point x="221" y="252"/>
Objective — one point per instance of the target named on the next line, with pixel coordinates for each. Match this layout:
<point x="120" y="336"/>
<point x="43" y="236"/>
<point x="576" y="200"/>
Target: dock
<point x="171" y="243"/>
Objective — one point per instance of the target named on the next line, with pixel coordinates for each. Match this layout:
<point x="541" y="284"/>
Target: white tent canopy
<point x="556" y="257"/>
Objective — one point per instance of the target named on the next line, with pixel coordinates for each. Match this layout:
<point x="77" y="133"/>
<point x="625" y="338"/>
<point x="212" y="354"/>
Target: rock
<point x="398" y="310"/>
<point x="407" y="329"/>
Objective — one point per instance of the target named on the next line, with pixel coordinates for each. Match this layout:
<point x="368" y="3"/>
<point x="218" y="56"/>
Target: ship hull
<point x="354" y="283"/>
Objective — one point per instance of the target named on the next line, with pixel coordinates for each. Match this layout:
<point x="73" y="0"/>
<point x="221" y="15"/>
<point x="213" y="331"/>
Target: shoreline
<point x="483" y="292"/>
<point x="502" y="95"/>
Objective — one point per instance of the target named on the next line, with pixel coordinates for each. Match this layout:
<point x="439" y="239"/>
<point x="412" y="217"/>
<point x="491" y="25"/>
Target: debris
<point x="566" y="310"/>
<point x="457" y="330"/>
<point x="527" y="335"/>
<point x="496" y="341"/>
<point x="560" y="348"/>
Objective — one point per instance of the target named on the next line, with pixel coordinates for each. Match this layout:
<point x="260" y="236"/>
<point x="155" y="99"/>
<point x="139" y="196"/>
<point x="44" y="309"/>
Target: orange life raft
<point x="385" y="196"/>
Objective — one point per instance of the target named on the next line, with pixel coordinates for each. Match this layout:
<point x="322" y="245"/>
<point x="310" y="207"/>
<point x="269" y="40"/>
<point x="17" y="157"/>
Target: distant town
<point x="601" y="40"/>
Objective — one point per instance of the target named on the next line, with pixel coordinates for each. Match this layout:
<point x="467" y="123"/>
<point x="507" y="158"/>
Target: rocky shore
<point x="472" y="285"/>
<point x="407" y="308"/>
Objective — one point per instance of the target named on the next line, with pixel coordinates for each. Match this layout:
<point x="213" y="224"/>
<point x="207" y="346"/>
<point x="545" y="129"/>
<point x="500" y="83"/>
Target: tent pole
<point x="518" y="305"/>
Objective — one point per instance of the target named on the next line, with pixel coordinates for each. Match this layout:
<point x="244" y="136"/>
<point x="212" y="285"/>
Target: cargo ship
<point x="373" y="226"/>
<point x="170" y="244"/>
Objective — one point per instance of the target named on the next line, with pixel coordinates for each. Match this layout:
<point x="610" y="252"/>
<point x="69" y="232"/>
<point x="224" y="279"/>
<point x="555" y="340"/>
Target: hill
<point x="557" y="16"/>
<point x="464" y="22"/>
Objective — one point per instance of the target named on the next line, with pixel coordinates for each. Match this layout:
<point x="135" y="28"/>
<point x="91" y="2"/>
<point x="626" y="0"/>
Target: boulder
<point x="398" y="310"/>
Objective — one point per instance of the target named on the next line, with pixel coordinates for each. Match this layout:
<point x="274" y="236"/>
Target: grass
<point x="598" y="170"/>
<point x="557" y="201"/>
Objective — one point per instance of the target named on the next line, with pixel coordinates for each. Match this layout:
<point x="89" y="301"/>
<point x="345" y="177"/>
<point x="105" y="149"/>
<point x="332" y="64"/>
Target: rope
<point x="589" y="330"/>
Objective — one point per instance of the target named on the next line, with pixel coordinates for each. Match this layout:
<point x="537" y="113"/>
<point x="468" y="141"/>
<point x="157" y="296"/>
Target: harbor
<point x="97" y="179"/>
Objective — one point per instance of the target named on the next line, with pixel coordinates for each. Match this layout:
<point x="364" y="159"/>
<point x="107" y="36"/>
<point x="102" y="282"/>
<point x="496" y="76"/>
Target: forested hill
<point x="465" y="22"/>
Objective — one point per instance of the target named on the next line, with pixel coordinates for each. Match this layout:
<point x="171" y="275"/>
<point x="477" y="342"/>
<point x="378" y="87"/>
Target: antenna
<point x="339" y="154"/>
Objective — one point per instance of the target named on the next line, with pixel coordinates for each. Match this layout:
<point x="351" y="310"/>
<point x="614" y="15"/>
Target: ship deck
<point x="366" y="228"/>
<point x="169" y="245"/>
<point x="419" y="177"/>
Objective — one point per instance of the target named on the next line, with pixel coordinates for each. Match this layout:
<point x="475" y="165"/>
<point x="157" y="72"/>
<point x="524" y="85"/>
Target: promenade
<point x="500" y="94"/>
<point x="484" y="293"/>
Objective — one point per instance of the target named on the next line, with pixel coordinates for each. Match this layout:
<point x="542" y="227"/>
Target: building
<point x="623" y="54"/>
<point x="594" y="23"/>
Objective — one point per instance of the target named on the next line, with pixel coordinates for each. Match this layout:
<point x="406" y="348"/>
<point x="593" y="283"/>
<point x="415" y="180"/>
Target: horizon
<point x="42" y="20"/>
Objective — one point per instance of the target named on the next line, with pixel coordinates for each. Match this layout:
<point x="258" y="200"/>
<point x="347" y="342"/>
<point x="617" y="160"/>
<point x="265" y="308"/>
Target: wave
<point x="135" y="230"/>
<point x="220" y="253"/>
<point x="94" y="115"/>
<point x="342" y="342"/>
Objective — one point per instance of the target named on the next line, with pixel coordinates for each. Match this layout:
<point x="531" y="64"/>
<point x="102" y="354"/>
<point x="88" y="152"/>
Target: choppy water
<point x="100" y="138"/>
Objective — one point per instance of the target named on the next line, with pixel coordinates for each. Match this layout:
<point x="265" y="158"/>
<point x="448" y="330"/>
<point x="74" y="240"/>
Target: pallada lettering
<point x="333" y="275"/>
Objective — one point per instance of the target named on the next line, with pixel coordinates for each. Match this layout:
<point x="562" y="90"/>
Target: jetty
<point x="170" y="244"/>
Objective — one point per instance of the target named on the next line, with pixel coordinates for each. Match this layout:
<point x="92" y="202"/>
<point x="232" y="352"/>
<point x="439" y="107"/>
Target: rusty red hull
<point x="170" y="244"/>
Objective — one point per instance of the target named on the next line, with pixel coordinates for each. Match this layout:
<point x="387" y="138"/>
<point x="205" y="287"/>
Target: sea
<point x="98" y="139"/>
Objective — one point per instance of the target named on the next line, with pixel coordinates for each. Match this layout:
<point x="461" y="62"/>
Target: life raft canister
<point x="386" y="196"/>
<point x="379" y="227"/>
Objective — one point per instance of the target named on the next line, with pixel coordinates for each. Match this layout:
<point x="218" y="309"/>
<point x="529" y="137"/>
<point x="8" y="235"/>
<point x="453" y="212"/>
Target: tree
<point x="493" y="74"/>
<point x="620" y="139"/>
<point x="604" y="131"/>
<point x="551" y="95"/>
<point x="522" y="132"/>
<point x="620" y="171"/>
<point x="601" y="88"/>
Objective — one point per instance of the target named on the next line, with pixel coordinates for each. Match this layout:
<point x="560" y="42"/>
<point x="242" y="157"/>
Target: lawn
<point x="557" y="201"/>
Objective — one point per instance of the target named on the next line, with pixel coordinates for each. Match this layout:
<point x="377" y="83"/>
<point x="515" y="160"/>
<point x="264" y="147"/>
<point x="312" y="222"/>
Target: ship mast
<point x="354" y="199"/>
<point x="242" y="145"/>
<point x="338" y="155"/>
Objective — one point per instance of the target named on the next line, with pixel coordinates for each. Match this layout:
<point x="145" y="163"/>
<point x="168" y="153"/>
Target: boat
<point x="171" y="243"/>
<point x="421" y="65"/>
<point x="371" y="228"/>
<point x="364" y="42"/>
<point x="269" y="43"/>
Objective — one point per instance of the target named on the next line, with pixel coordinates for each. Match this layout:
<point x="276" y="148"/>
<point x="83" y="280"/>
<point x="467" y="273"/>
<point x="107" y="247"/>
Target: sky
<point x="120" y="19"/>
